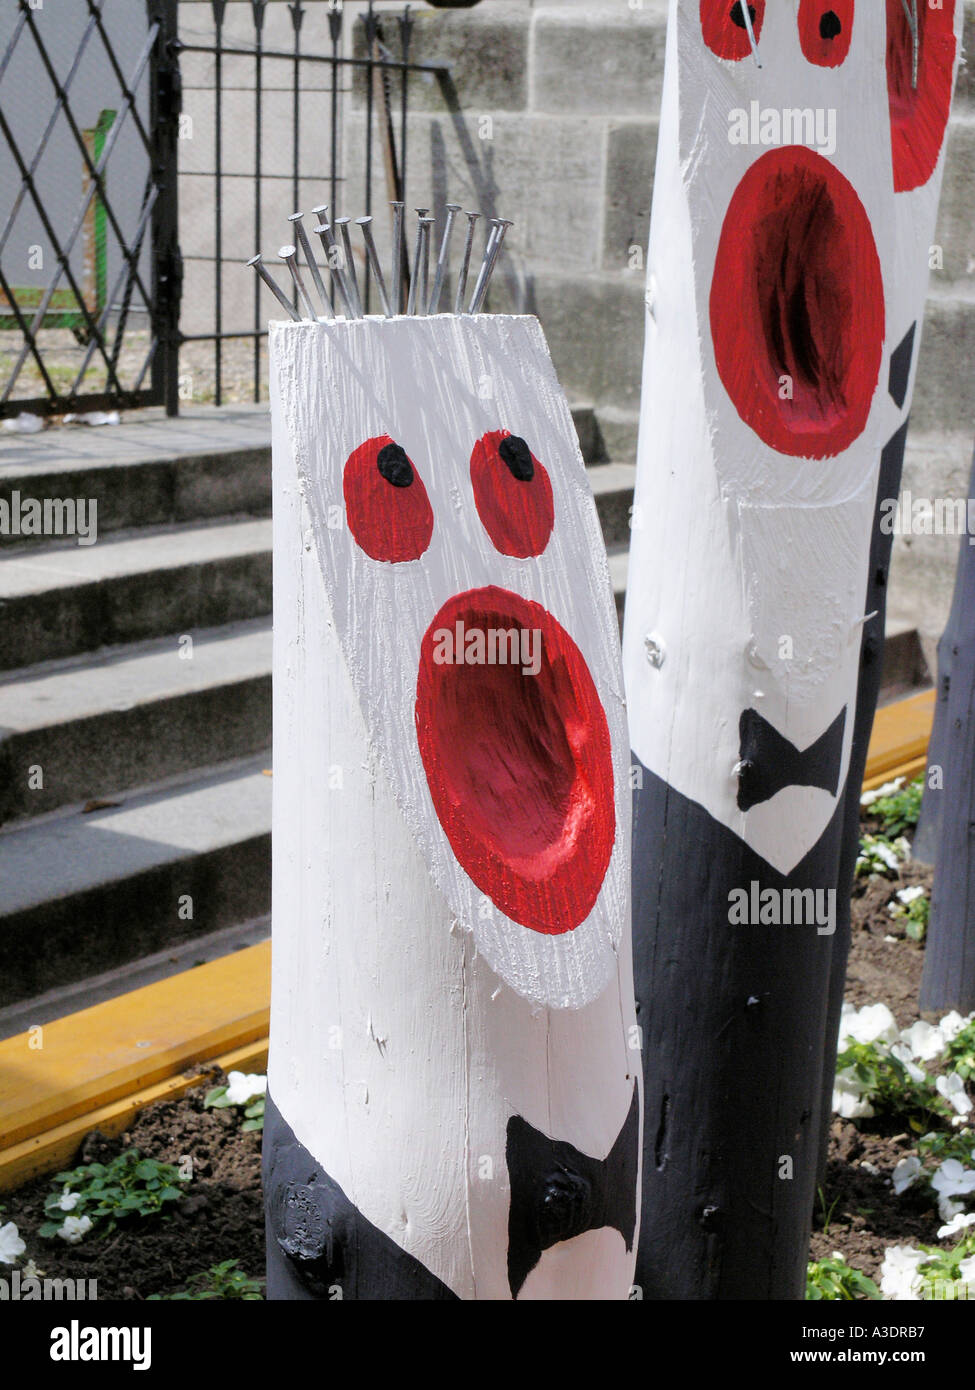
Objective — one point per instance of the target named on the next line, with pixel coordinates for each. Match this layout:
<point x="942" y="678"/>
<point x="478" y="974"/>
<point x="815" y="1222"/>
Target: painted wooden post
<point x="454" y="1091"/>
<point x="785" y="281"/>
<point x="948" y="981"/>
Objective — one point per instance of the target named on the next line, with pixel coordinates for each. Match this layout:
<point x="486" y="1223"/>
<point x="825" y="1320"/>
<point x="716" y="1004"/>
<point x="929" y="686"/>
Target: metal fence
<point x="305" y="80"/>
<point x="89" y="265"/>
<point x="91" y="270"/>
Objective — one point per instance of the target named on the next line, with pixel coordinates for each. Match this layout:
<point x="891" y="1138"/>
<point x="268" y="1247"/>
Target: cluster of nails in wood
<point x="406" y="293"/>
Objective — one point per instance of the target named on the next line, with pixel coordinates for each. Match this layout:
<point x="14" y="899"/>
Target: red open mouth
<point x="797" y="305"/>
<point x="519" y="765"/>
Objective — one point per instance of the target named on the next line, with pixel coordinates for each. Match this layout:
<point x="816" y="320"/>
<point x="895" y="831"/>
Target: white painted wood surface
<point x="408" y="1022"/>
<point x="740" y="553"/>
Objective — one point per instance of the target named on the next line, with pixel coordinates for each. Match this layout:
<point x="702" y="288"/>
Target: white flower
<point x="958" y="1223"/>
<point x="924" y="1040"/>
<point x="952" y="1180"/>
<point x="966" y="1272"/>
<point x="952" y="1024"/>
<point x="244" y="1086"/>
<point x="11" y="1245"/>
<point x="888" y="789"/>
<point x="899" y="1273"/>
<point x="948" y="1210"/>
<point x="30" y="1271"/>
<point x="952" y="1088"/>
<point x="910" y="895"/>
<point x="73" y="1228"/>
<point x="903" y="1054"/>
<point x="906" y="1173"/>
<point x="69" y="1200"/>
<point x="872" y="1023"/>
<point x="848" y="1098"/>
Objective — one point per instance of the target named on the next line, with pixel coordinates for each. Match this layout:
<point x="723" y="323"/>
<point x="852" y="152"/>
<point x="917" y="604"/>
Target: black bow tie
<point x="558" y="1192"/>
<point x="770" y="762"/>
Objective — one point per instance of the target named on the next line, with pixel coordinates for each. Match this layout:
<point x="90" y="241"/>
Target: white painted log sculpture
<point x="797" y="180"/>
<point x="454" y="1092"/>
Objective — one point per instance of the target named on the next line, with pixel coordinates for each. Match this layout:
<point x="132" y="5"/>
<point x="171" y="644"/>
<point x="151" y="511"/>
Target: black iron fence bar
<point x="12" y="42"/>
<point x="62" y="266"/>
<point x="371" y="28"/>
<point x="113" y="296"/>
<point x="167" y="267"/>
<point x="22" y="324"/>
<point x="335" y="30"/>
<point x="395" y="63"/>
<point x="30" y="330"/>
<point x="62" y="94"/>
<point x="120" y="79"/>
<point x="297" y="16"/>
<point x="219" y="7"/>
<point x="95" y="174"/>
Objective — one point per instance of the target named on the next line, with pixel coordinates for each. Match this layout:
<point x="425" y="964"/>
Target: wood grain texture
<point x="410" y="1018"/>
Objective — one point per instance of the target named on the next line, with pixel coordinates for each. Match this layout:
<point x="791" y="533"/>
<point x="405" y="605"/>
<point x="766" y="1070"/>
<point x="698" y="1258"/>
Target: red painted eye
<point x="723" y="26"/>
<point x="825" y="30"/>
<point x="797" y="305"/>
<point x="517" y="755"/>
<point x="919" y="108"/>
<point x="386" y="503"/>
<point x="512" y="493"/>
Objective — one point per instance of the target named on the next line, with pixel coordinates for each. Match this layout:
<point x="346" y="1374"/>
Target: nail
<point x="486" y="260"/>
<point x="258" y="263"/>
<point x="366" y="224"/>
<point x="427" y="225"/>
<point x="289" y="254"/>
<point x="333" y="256"/>
<point x="316" y="275"/>
<point x="397" y="256"/>
<point x="432" y="307"/>
<point x="465" y="266"/>
<point x="417" y="261"/>
<point x="501" y="225"/>
<point x="353" y="279"/>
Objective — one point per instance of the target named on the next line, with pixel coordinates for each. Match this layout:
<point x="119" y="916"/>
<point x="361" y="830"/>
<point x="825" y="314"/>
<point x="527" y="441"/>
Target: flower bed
<point x="182" y="1215"/>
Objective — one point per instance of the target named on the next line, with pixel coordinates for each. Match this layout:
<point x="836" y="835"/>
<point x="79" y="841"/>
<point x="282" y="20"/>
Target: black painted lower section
<point x="948" y="812"/>
<point x="319" y="1246"/>
<point x="557" y="1192"/>
<point x="868" y="689"/>
<point x="733" y="1021"/>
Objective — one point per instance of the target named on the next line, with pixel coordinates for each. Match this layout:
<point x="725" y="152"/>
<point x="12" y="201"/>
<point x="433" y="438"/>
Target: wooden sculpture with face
<point x="796" y="188"/>
<point x="454" y="1066"/>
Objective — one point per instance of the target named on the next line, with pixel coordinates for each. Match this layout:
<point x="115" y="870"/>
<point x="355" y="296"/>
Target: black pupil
<point x="830" y="26"/>
<point x="517" y="455"/>
<point x="394" y="465"/>
<point x="737" y="15"/>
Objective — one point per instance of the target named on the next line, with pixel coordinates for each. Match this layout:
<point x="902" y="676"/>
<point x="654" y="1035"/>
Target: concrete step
<point x="612" y="486"/>
<point x="57" y="602"/>
<point x="151" y="472"/>
<point x="98" y="726"/>
<point x="148" y="470"/>
<point x="80" y="894"/>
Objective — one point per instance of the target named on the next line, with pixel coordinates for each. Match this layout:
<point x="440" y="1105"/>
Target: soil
<point x="221" y="1218"/>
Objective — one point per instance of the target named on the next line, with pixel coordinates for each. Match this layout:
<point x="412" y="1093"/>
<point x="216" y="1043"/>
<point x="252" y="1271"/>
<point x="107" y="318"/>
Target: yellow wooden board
<point x="900" y="738"/>
<point x="82" y="1063"/>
